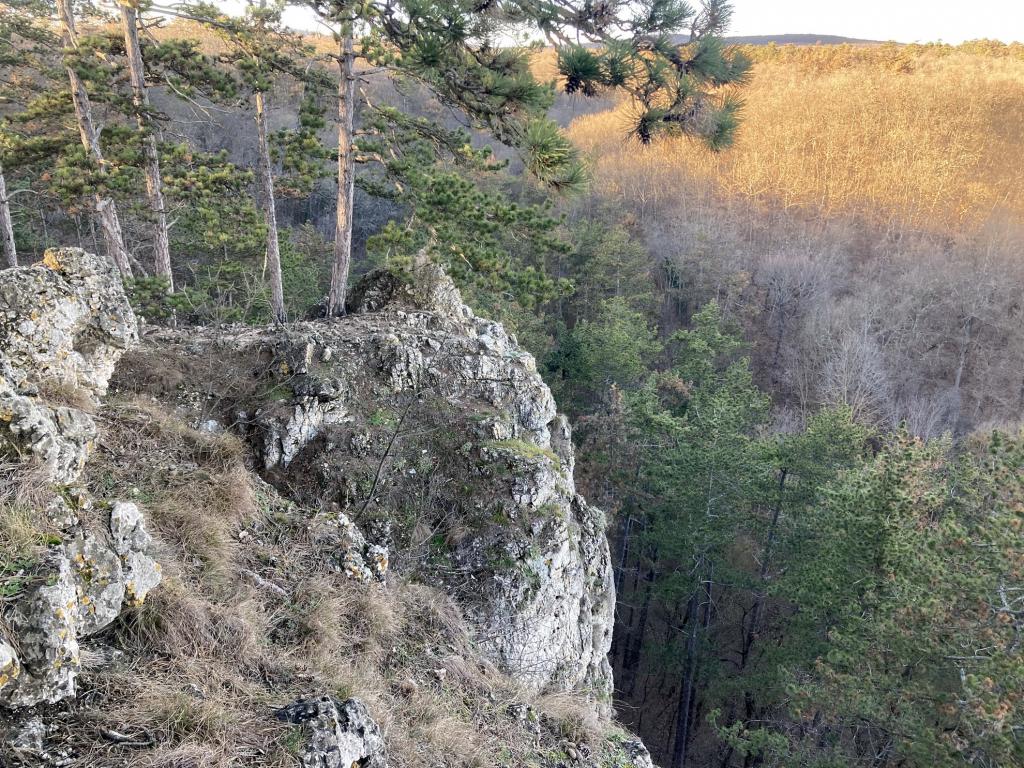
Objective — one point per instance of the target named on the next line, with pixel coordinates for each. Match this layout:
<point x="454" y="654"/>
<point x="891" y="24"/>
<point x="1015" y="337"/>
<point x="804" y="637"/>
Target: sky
<point x="905" y="21"/>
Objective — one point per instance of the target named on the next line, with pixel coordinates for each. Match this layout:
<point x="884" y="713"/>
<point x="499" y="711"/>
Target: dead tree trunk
<point x="684" y="715"/>
<point x="686" y="689"/>
<point x="346" y="178"/>
<point x="7" y="249"/>
<point x="751" y="631"/>
<point x="154" y="183"/>
<point x="269" y="212"/>
<point x="106" y="210"/>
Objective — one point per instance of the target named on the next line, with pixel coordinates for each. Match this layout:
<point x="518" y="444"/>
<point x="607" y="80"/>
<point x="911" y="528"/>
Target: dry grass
<point x="571" y="717"/>
<point x="25" y="531"/>
<point x="22" y="533"/>
<point x="927" y="142"/>
<point x="57" y="392"/>
<point x="24" y="483"/>
<point x="194" y="485"/>
<point x="213" y="652"/>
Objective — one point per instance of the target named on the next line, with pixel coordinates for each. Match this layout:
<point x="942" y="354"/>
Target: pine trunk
<point x="154" y="184"/>
<point x="686" y="687"/>
<point x="269" y="213"/>
<point x="7" y="249"/>
<point x="632" y="652"/>
<point x="684" y="715"/>
<point x="106" y="210"/>
<point x="346" y="179"/>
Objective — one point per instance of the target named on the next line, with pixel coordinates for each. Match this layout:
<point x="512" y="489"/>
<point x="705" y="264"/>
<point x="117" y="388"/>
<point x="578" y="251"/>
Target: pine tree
<point x="905" y="647"/>
<point x="33" y="124"/>
<point x="457" y="213"/>
<point x="676" y="87"/>
<point x="261" y="52"/>
<point x="12" y="26"/>
<point x="106" y="209"/>
<point x="459" y="51"/>
<point x="7" y="247"/>
<point x="701" y="469"/>
<point x="154" y="180"/>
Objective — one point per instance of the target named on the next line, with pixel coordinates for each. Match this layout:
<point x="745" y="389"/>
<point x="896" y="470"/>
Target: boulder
<point x="338" y="734"/>
<point x="76" y="591"/>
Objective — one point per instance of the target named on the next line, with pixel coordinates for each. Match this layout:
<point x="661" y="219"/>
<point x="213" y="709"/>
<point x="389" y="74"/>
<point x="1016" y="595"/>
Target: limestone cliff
<point x="382" y="505"/>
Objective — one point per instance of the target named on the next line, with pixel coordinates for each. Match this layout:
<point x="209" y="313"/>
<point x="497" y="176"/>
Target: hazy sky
<point x="905" y="21"/>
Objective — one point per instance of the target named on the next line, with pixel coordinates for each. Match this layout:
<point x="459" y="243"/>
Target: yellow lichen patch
<point x="9" y="672"/>
<point x="51" y="260"/>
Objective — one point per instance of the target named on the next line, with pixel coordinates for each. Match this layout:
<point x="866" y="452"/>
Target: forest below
<point x="794" y="362"/>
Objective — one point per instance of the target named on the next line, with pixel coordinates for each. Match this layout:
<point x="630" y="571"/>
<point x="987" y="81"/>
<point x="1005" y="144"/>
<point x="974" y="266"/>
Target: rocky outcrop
<point x="338" y="734"/>
<point x="432" y="429"/>
<point x="63" y="325"/>
<point x="409" y="438"/>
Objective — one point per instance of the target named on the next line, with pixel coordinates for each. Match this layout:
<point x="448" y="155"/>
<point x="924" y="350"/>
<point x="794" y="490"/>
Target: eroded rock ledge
<point x="432" y="430"/>
<point x="64" y="323"/>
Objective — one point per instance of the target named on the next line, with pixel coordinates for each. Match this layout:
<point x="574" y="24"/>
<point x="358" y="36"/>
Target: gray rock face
<point x="63" y="323"/>
<point x="637" y="754"/>
<point x="413" y="410"/>
<point x="339" y="734"/>
<point x="132" y="543"/>
<point x="336" y="534"/>
<point x="79" y="590"/>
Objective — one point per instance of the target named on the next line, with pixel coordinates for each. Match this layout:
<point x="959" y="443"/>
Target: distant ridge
<point x="806" y="39"/>
<point x="791" y="39"/>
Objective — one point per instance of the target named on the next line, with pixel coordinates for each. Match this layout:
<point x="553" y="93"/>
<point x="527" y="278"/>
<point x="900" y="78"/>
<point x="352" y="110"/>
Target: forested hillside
<point x="776" y="288"/>
<point x="846" y="281"/>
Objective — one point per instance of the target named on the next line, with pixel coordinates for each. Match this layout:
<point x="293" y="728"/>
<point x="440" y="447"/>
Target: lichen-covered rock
<point x="65" y="319"/>
<point x="339" y="734"/>
<point x="99" y="579"/>
<point x="638" y="754"/>
<point x="344" y="545"/>
<point x="413" y="411"/>
<point x="633" y="754"/>
<point x="58" y="437"/>
<point x="10" y="667"/>
<point x="132" y="543"/>
<point x="63" y="325"/>
<point x="431" y="289"/>
<point x="289" y="431"/>
<point x="79" y="589"/>
<point x="45" y="624"/>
